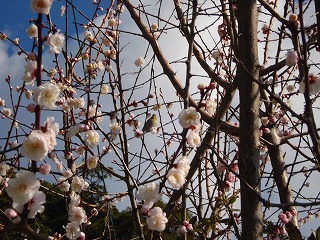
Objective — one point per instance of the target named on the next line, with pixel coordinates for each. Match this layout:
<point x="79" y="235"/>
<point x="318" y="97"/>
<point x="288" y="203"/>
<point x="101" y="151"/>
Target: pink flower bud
<point x="44" y="168"/>
<point x="11" y="213"/>
<point x="31" y="107"/>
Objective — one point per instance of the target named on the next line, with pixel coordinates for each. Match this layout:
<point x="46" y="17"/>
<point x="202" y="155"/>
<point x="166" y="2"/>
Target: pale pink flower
<point x="184" y="165"/>
<point x="22" y="188"/>
<point x="292" y="58"/>
<point x="139" y="62"/>
<point x="56" y="42"/>
<point x="157" y="219"/>
<point x="35" y="146"/>
<point x="93" y="112"/>
<point x="63" y="184"/>
<point x="217" y="55"/>
<point x="35" y="205"/>
<point x="41" y="6"/>
<point x="72" y="231"/>
<point x="92" y="138"/>
<point x="189" y="117"/>
<point x="32" y="31"/>
<point x="78" y="184"/>
<point x="176" y="178"/>
<point x="92" y="162"/>
<point x="46" y="95"/>
<point x="30" y="70"/>
<point x="193" y="139"/>
<point x="149" y="193"/>
<point x="77" y="215"/>
<point x="45" y="168"/>
<point x="283" y="218"/>
<point x="314" y="84"/>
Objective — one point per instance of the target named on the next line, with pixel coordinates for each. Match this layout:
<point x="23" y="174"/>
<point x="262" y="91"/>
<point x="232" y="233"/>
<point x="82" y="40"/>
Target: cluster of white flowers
<point x="176" y="176"/>
<point x="25" y="189"/>
<point x="92" y="138"/>
<point x="77" y="216"/>
<point x="39" y="143"/>
<point x="46" y="95"/>
<point x="189" y="117"/>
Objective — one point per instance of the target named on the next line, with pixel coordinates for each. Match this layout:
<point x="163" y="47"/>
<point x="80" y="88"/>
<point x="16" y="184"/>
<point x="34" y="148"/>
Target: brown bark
<point x="248" y="68"/>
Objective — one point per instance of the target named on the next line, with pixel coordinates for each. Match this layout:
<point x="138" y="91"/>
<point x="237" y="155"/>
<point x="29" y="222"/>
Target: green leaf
<point x="232" y="200"/>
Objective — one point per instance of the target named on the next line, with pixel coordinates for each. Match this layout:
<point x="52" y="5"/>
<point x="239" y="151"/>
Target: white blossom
<point x="41" y="6"/>
<point x="78" y="184"/>
<point x="22" y="188"/>
<point x="139" y="62"/>
<point x="314" y="84"/>
<point x="92" y="162"/>
<point x="3" y="168"/>
<point x="92" y="138"/>
<point x="210" y="106"/>
<point x="149" y="193"/>
<point x="63" y="184"/>
<point x="30" y="72"/>
<point x="115" y="129"/>
<point x="157" y="219"/>
<point x="35" y="205"/>
<point x="193" y="139"/>
<point x="56" y="42"/>
<point x="35" y="146"/>
<point x="77" y="215"/>
<point x="184" y="165"/>
<point x="46" y="95"/>
<point x="32" y="31"/>
<point x="176" y="178"/>
<point x="72" y="231"/>
<point x="189" y="117"/>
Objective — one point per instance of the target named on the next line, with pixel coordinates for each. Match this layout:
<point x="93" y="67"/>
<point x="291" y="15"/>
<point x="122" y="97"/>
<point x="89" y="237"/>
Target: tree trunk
<point x="247" y="70"/>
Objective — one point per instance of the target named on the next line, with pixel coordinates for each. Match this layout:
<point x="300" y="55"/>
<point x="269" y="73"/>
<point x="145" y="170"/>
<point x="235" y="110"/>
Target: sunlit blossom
<point x="56" y="42"/>
<point x="92" y="138"/>
<point x="22" y="188"/>
<point x="184" y="165"/>
<point x="30" y="71"/>
<point x="72" y="231"/>
<point x="92" y="162"/>
<point x="41" y="6"/>
<point x="149" y="193"/>
<point x="189" y="117"/>
<point x="115" y="129"/>
<point x="63" y="184"/>
<point x="157" y="219"/>
<point x="3" y="168"/>
<point x="35" y="205"/>
<point x="35" y="146"/>
<point x="78" y="184"/>
<point x="46" y="95"/>
<point x="32" y="31"/>
<point x="77" y="215"/>
<point x="176" y="178"/>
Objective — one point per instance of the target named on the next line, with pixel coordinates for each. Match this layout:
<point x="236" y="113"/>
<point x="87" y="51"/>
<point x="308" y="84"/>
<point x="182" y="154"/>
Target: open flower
<point x="193" y="139"/>
<point x="77" y="215"/>
<point x="92" y="162"/>
<point x="149" y="193"/>
<point x="32" y="31"/>
<point x="115" y="129"/>
<point x="78" y="184"/>
<point x="157" y="219"/>
<point x="41" y="6"/>
<point x="55" y="42"/>
<point x="22" y="188"/>
<point x="46" y="95"/>
<point x="184" y="165"/>
<point x="35" y="205"/>
<point x="189" y="117"/>
<point x="92" y="138"/>
<point x="176" y="178"/>
<point x="30" y="71"/>
<point x="35" y="146"/>
<point x="314" y="84"/>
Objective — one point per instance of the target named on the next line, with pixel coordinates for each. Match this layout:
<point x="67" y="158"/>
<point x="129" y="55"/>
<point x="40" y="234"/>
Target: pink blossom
<point x="314" y="84"/>
<point x="176" y="178"/>
<point x="45" y="168"/>
<point x="283" y="218"/>
<point x="157" y="219"/>
<point x="292" y="58"/>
